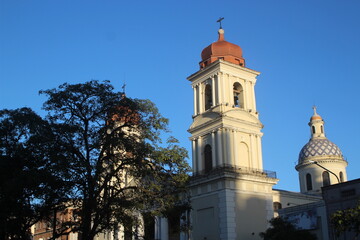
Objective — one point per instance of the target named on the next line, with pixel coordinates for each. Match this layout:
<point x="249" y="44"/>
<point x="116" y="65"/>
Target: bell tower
<point x="231" y="193"/>
<point x="321" y="162"/>
<point x="226" y="123"/>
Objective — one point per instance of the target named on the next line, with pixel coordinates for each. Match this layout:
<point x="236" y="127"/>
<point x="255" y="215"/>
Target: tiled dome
<point x="319" y="147"/>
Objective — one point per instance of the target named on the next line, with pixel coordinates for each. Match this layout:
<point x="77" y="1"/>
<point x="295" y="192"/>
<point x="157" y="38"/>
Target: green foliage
<point x="283" y="230"/>
<point x="29" y="185"/>
<point x="346" y="220"/>
<point x="98" y="152"/>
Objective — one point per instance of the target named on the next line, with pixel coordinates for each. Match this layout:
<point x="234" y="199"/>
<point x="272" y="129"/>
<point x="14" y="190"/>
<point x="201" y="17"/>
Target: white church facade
<point x="232" y="196"/>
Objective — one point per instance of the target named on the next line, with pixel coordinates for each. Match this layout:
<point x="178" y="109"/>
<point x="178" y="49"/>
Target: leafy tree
<point x="347" y="220"/>
<point x="283" y="230"/>
<point x="96" y="151"/>
<point x="113" y="157"/>
<point x="28" y="187"/>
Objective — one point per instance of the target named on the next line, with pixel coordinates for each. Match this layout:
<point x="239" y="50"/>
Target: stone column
<point x="200" y="98"/>
<point x="253" y="96"/>
<point x="219" y="148"/>
<point x="228" y="147"/>
<point x="213" y="89"/>
<point x="247" y="96"/>
<point x="200" y="166"/>
<point x="236" y="149"/>
<point x="218" y="89"/>
<point x="194" y="161"/>
<point x="164" y="229"/>
<point x="222" y="87"/>
<point x="252" y="151"/>
<point x="213" y="148"/>
<point x="161" y="228"/>
<point x="259" y="157"/>
<point x="195" y="101"/>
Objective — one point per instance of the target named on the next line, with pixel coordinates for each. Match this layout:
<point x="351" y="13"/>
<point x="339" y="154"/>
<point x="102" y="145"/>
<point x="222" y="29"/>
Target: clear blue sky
<point x="307" y="52"/>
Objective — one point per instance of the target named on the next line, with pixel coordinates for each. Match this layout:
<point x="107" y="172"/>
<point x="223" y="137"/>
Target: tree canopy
<point x="347" y="220"/>
<point x="281" y="229"/>
<point x="101" y="153"/>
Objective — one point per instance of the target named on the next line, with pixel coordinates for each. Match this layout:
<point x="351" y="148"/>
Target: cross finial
<point x="123" y="95"/>
<point x="314" y="108"/>
<point x="219" y="21"/>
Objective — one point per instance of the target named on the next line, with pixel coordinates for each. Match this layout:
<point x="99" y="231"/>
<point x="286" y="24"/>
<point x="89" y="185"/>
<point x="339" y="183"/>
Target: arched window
<point x="322" y="128"/>
<point x="277" y="206"/>
<point x="308" y="182"/>
<point x="238" y="95"/>
<point x="208" y="158"/>
<point x="313" y="129"/>
<point x="208" y="97"/>
<point x="326" y="178"/>
<point x="341" y="177"/>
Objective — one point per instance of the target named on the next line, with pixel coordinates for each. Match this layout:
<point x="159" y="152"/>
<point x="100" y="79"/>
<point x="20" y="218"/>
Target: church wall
<point x="205" y="217"/>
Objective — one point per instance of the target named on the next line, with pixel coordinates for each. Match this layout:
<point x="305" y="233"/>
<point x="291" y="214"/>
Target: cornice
<point x="320" y="159"/>
<point x="215" y="67"/>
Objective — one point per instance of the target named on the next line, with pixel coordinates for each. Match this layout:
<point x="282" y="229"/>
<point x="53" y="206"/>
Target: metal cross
<point x="123" y="87"/>
<point x="219" y="21"/>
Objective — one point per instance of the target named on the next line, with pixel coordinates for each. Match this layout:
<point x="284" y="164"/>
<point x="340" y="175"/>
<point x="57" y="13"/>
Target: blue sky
<point x="307" y="52"/>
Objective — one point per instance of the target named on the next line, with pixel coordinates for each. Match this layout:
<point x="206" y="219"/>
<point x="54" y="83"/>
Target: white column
<point x="247" y="96"/>
<point x="164" y="229"/>
<point x="253" y="96"/>
<point x="230" y="147"/>
<point x="222" y="88"/>
<point x="213" y="91"/>
<point x="252" y="152"/>
<point x="259" y="157"/>
<point x="199" y="98"/>
<point x="213" y="148"/>
<point x="157" y="228"/>
<point x="225" y="81"/>
<point x="219" y="148"/>
<point x="195" y="103"/>
<point x="236" y="149"/>
<point x="218" y="89"/>
<point x="200" y="166"/>
<point x="229" y="90"/>
<point x="194" y="162"/>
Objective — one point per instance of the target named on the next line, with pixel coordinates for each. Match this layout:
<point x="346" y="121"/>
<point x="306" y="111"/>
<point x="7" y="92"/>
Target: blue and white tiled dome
<point x="319" y="147"/>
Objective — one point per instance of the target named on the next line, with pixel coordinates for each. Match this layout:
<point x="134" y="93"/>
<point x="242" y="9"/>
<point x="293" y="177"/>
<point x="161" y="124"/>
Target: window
<point x="326" y="178"/>
<point x="277" y="206"/>
<point x="308" y="182"/>
<point x="238" y="95"/>
<point x="348" y="193"/>
<point x="341" y="177"/>
<point x="208" y="158"/>
<point x="313" y="129"/>
<point x="208" y="97"/>
<point x="322" y="129"/>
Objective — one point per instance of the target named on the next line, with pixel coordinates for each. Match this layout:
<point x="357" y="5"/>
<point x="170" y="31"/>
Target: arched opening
<point x="322" y="128"/>
<point x="308" y="182"/>
<point x="313" y="129"/>
<point x="341" y="177"/>
<point x="238" y="95"/>
<point x="208" y="158"/>
<point x="208" y="97"/>
<point x="277" y="206"/>
<point x="326" y="178"/>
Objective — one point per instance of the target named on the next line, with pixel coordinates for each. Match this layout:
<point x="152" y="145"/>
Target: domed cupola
<point x="320" y="161"/>
<point x="223" y="50"/>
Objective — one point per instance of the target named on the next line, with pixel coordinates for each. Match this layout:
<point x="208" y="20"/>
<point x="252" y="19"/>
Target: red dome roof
<point x="222" y="50"/>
